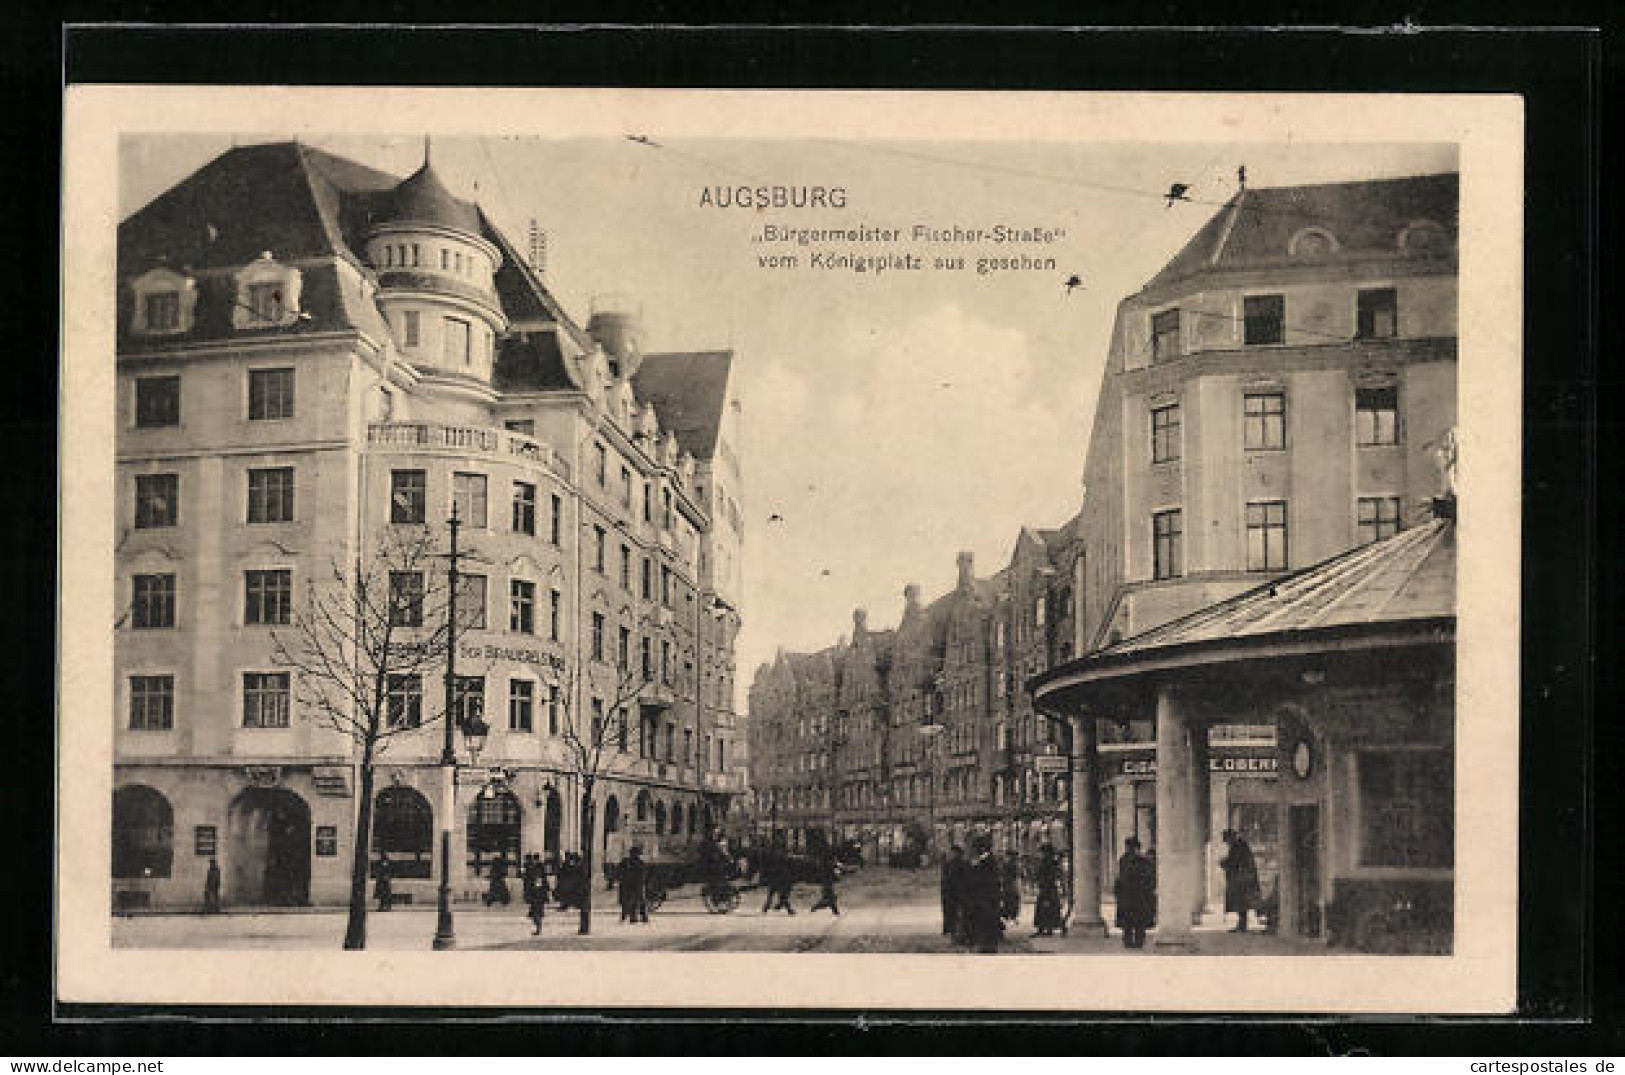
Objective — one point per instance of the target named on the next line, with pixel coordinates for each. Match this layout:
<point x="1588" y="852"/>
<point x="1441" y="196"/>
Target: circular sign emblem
<point x="1303" y="759"/>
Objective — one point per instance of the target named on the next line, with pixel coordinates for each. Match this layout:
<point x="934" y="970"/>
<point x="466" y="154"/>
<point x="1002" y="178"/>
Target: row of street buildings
<point x="316" y="361"/>
<point x="1249" y="624"/>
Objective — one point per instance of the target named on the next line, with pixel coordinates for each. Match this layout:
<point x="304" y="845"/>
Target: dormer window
<point x="267" y="295"/>
<point x="164" y="303"/>
<point x="1312" y="243"/>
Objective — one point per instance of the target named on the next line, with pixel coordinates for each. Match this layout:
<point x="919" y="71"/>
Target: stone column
<point x="1085" y="791"/>
<point x="1179" y="825"/>
<point x="1202" y="781"/>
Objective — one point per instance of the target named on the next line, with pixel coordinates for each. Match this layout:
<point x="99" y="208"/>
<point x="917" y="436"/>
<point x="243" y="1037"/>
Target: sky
<point x="890" y="421"/>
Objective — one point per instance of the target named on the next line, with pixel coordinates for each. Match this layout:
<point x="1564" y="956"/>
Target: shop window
<point x="1407" y="809"/>
<point x="1263" y="319"/>
<point x="143" y="833"/>
<point x="403" y="833"/>
<point x="494" y="822"/>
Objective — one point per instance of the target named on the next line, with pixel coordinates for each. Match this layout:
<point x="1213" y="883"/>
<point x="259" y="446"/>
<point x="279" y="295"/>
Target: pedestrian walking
<point x="1136" y="891"/>
<point x="1010" y="887"/>
<point x="829" y="871"/>
<point x="953" y="887"/>
<point x="1047" y="916"/>
<point x="383" y="889"/>
<point x="982" y="898"/>
<point x="1241" y="893"/>
<point x="632" y="878"/>
<point x="779" y="877"/>
<point x="496" y="890"/>
<point x="534" y="880"/>
<point x="211" y="888"/>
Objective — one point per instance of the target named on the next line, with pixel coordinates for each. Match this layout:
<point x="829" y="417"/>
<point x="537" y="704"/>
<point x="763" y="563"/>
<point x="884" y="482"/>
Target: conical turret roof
<point x="422" y="198"/>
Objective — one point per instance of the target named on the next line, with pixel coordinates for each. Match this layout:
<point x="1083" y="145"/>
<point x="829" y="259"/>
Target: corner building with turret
<point x="310" y="353"/>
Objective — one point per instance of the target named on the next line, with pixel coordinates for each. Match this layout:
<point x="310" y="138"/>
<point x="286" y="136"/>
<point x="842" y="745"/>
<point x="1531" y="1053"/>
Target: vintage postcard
<point x="569" y="549"/>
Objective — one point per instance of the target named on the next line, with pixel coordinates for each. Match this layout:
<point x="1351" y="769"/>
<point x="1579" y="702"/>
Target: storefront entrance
<point x="268" y="848"/>
<point x="1303" y="823"/>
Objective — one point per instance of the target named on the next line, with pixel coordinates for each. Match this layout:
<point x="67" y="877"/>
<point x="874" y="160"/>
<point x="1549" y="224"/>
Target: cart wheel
<point x="721" y="899"/>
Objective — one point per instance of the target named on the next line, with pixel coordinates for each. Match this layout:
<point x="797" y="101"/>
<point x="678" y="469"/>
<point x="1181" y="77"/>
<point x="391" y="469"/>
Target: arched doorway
<point x="552" y="824"/>
<point x="494" y="823"/>
<point x="268" y="848"/>
<point x="677" y="819"/>
<point x="660" y="817"/>
<point x="612" y="821"/>
<point x="403" y="833"/>
<point x="143" y="833"/>
<point x="643" y="806"/>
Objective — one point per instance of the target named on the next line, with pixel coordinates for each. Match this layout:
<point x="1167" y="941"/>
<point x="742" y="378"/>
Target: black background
<point x="1571" y="558"/>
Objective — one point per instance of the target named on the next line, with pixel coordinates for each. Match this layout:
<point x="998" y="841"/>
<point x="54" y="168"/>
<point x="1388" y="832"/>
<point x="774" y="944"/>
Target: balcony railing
<point x="434" y="436"/>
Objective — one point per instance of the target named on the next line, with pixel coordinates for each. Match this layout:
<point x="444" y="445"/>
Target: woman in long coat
<point x="1136" y="894"/>
<point x="535" y="888"/>
<point x="1047" y="910"/>
<point x="982" y="899"/>
<point x="1241" y="892"/>
<point x="632" y="877"/>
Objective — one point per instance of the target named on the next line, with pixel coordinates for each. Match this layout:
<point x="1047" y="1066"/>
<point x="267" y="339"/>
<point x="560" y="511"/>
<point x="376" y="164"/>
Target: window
<point x="665" y="585"/>
<point x="157" y="402"/>
<point x="1167" y="533"/>
<point x="152" y="703"/>
<point x="1263" y="319"/>
<point x="1377" y="517"/>
<point x="626" y="487"/>
<point x="268" y="596"/>
<point x="522" y="606"/>
<point x="600" y="465"/>
<point x="163" y="309"/>
<point x="648" y="579"/>
<point x="1165" y="335"/>
<point x="471" y="590"/>
<point x="468" y="699"/>
<point x="626" y="569"/>
<point x="523" y="426"/>
<point x="265" y="303"/>
<point x="688" y="744"/>
<point x="597" y="721"/>
<point x="265" y="699"/>
<point x="1264" y="421"/>
<point x="671" y="741"/>
<point x="157" y="500"/>
<point x="456" y="346"/>
<point x="270" y="495"/>
<point x="555" y="609"/>
<point x="1266" y="536"/>
<point x="1376" y="313"/>
<point x="1407" y="809"/>
<point x="648" y="658"/>
<point x="555" y="522"/>
<point x="665" y="660"/>
<point x="1376" y="416"/>
<point x="408" y="496"/>
<point x="152" y="601"/>
<point x="404" y="702"/>
<point x="624" y="653"/>
<point x="553" y="709"/>
<point x="665" y="509"/>
<point x="524" y="508"/>
<point x="468" y="498"/>
<point x="270" y="394"/>
<point x="597" y="636"/>
<point x="412" y="328"/>
<point x="598" y="548"/>
<point x="406" y="598"/>
<point x="521" y="704"/>
<point x="648" y="502"/>
<point x="445" y="258"/>
<point x="1165" y="433"/>
<point x="620" y="730"/>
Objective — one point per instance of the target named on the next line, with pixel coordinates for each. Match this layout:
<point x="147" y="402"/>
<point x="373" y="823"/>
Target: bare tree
<point x="363" y="647"/>
<point x="595" y="731"/>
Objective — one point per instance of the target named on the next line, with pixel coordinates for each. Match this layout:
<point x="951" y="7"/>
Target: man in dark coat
<point x="1136" y="894"/>
<point x="982" y="898"/>
<point x="828" y="872"/>
<point x="211" y="888"/>
<point x="1047" y="917"/>
<point x="953" y="889"/>
<point x="534" y="878"/>
<point x="632" y="877"/>
<point x="1241" y="893"/>
<point x="383" y="889"/>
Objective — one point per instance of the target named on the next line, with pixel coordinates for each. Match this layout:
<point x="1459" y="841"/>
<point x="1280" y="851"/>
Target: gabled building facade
<point x="313" y="354"/>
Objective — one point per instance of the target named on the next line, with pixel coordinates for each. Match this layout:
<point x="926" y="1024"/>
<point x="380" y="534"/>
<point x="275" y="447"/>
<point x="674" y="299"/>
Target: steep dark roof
<point x="423" y="199"/>
<point x="689" y="390"/>
<point x="1256" y="226"/>
<point x="531" y="362"/>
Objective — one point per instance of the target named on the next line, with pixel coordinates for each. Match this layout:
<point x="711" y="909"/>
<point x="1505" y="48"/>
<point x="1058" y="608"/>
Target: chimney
<point x="860" y="624"/>
<point x="967" y="571"/>
<point x="911" y="598"/>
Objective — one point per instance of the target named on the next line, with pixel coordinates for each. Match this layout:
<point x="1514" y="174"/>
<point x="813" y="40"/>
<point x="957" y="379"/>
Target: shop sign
<point x="517" y="655"/>
<point x="205" y="840"/>
<point x="1216" y="763"/>
<point x="263" y="776"/>
<point x="1050" y="763"/>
